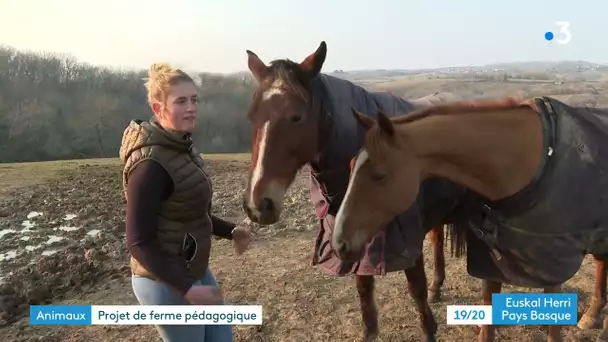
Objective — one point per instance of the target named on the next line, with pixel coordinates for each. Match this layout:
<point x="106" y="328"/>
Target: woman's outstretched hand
<point x="242" y="237"/>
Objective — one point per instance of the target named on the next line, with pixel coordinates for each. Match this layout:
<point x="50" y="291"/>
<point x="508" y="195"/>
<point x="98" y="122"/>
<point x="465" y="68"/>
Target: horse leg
<point x="434" y="294"/>
<point x="365" y="288"/>
<point x="554" y="331"/>
<point x="603" y="337"/>
<point x="417" y="287"/>
<point x="599" y="296"/>
<point x="487" y="332"/>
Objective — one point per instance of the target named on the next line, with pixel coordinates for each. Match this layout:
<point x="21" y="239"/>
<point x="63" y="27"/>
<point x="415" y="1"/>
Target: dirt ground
<point x="62" y="241"/>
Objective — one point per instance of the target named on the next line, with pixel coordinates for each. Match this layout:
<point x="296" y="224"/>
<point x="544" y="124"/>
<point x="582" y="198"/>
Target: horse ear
<point x="386" y="125"/>
<point x="312" y="64"/>
<point x="256" y="66"/>
<point x="363" y="120"/>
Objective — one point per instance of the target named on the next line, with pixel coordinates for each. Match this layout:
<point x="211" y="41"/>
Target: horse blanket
<point x="541" y="234"/>
<point x="399" y="245"/>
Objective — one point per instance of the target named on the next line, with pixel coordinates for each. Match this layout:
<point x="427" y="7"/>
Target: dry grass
<point x="301" y="303"/>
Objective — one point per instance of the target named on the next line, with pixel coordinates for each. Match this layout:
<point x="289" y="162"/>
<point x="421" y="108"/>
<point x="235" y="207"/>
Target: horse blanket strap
<point x="487" y="230"/>
<point x="489" y="235"/>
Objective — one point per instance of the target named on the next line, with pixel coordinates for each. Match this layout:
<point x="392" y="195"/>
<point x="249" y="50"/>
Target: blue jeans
<point x="150" y="292"/>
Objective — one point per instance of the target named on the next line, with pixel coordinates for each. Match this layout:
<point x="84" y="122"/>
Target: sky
<point x="212" y="35"/>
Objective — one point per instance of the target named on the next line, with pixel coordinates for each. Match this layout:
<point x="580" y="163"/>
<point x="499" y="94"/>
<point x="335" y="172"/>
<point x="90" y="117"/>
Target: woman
<point x="169" y="221"/>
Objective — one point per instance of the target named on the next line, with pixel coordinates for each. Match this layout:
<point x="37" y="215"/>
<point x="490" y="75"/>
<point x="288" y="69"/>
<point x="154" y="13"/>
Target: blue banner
<point x="534" y="308"/>
<point x="60" y="314"/>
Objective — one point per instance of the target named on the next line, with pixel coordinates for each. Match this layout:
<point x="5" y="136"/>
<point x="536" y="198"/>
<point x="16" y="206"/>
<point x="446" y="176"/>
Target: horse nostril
<point x="266" y="205"/>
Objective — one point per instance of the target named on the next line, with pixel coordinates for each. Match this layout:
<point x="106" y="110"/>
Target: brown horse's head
<point x="384" y="183"/>
<point x="285" y="125"/>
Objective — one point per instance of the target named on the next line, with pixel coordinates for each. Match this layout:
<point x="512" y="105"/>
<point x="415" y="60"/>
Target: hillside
<point x="54" y="107"/>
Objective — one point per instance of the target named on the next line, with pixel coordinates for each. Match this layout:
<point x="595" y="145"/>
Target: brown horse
<point x="301" y="117"/>
<point x="535" y="174"/>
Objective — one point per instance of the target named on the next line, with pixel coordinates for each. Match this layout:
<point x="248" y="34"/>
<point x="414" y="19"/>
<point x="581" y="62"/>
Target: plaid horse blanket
<point x="400" y="244"/>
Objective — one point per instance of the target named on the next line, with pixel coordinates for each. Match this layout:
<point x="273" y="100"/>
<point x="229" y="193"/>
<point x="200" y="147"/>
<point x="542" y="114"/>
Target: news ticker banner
<point x="518" y="309"/>
<point x="506" y="309"/>
<point x="145" y="314"/>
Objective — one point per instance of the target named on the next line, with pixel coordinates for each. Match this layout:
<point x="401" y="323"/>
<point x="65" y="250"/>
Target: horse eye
<point x="378" y="176"/>
<point x="295" y="119"/>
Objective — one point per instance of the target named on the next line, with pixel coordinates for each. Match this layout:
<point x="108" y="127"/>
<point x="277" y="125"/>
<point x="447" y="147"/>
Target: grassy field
<point x="301" y="303"/>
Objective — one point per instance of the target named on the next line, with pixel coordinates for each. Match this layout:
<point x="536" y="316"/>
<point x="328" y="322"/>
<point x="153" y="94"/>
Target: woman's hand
<point x="242" y="238"/>
<point x="204" y="295"/>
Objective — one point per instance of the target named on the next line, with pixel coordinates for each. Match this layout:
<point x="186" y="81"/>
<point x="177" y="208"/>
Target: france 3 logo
<point x="565" y="36"/>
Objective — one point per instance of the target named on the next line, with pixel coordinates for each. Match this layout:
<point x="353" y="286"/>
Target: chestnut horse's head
<point x="285" y="122"/>
<point x="384" y="182"/>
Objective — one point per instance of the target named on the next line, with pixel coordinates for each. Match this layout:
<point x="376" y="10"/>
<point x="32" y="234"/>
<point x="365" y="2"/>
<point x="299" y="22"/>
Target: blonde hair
<point x="161" y="77"/>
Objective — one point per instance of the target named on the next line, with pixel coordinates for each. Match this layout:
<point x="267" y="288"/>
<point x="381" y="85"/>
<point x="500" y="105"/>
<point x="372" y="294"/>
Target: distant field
<point x="573" y="92"/>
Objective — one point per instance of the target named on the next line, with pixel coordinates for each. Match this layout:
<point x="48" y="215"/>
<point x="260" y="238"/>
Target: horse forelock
<point x="373" y="142"/>
<point x="285" y="76"/>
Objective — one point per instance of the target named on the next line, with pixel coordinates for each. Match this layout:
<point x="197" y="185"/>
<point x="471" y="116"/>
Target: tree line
<point x="54" y="107"/>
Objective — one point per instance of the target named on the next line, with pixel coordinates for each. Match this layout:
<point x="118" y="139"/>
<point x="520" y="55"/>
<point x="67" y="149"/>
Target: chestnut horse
<point x="535" y="171"/>
<point x="297" y="120"/>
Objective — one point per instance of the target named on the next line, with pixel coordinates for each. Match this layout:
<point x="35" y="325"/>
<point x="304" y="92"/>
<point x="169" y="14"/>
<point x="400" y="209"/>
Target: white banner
<point x="176" y="314"/>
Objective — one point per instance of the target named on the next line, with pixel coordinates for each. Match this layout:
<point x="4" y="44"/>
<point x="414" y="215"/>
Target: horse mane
<point x="461" y="107"/>
<point x="457" y="224"/>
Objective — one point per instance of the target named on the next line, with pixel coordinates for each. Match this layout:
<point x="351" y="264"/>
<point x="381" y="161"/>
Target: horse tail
<point x="458" y="223"/>
<point x="456" y="233"/>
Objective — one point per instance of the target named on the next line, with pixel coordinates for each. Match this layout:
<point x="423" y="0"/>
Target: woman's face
<point x="179" y="111"/>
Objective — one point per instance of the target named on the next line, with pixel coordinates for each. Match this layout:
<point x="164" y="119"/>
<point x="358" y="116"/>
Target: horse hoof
<point x="370" y="335"/>
<point x="586" y="322"/>
<point x="434" y="296"/>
